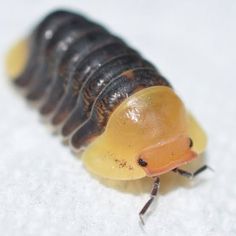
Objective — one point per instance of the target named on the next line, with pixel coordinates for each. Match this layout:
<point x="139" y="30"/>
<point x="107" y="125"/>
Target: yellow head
<point x="147" y="135"/>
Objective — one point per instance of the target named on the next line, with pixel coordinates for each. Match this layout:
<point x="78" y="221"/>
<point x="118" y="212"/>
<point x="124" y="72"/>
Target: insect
<point x="99" y="93"/>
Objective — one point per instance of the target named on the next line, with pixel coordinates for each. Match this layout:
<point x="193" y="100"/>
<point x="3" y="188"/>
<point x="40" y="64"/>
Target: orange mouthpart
<point x="164" y="157"/>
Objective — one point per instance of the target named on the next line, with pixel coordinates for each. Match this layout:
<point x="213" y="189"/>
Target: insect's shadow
<point x="169" y="181"/>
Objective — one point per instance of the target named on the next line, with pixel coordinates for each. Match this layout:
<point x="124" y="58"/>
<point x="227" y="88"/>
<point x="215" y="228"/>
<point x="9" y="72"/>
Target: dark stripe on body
<point x="70" y="31"/>
<point x="96" y="83"/>
<point x="116" y="92"/>
<point x="39" y="38"/>
<point x="89" y="65"/>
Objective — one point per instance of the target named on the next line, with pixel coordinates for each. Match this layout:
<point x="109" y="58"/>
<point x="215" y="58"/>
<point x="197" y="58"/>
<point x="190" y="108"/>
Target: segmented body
<point x="80" y="73"/>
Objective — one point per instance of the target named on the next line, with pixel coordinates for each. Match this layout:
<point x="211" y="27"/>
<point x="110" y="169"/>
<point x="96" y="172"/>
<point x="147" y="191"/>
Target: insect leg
<point x="189" y="174"/>
<point x="154" y="192"/>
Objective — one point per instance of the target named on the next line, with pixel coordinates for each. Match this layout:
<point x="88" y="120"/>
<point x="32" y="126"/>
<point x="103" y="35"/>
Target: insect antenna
<point x="194" y="174"/>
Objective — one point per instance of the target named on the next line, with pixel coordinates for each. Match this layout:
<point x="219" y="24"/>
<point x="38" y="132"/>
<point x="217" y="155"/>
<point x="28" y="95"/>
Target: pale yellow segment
<point x="150" y="116"/>
<point x="111" y="163"/>
<point x="197" y="134"/>
<point x="16" y="59"/>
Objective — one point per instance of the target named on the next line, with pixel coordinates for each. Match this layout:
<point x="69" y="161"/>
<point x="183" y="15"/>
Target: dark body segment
<point x="76" y="53"/>
<point x="79" y="78"/>
<point x="87" y="69"/>
<point x="94" y="85"/>
<point x="37" y="42"/>
<point x="80" y="73"/>
<point x="70" y="31"/>
<point x="114" y="93"/>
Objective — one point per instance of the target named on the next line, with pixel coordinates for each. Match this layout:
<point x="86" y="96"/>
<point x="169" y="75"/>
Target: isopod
<point x="101" y="94"/>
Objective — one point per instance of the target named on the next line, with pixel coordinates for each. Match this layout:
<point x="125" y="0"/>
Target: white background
<point x="44" y="188"/>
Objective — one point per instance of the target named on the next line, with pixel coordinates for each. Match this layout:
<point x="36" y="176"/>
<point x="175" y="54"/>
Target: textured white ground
<point x="44" y="189"/>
